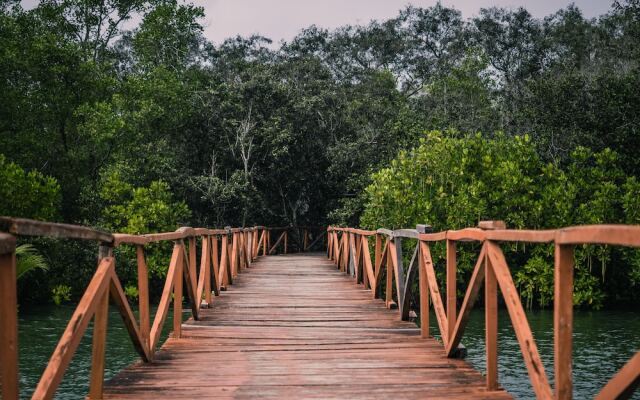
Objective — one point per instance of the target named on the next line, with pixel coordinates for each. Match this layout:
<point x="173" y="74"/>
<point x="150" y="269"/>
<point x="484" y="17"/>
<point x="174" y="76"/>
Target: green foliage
<point x="135" y="125"/>
<point x="453" y="181"/>
<point x="140" y="210"/>
<point x="27" y="194"/>
<point x="61" y="294"/>
<point x="131" y="292"/>
<point x="29" y="259"/>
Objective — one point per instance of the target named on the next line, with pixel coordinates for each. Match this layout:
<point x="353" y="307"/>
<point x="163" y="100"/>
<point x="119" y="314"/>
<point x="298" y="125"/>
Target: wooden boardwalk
<point x="294" y="326"/>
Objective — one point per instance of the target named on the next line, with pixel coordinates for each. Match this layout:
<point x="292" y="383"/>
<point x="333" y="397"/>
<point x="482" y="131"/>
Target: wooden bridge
<point x="307" y="325"/>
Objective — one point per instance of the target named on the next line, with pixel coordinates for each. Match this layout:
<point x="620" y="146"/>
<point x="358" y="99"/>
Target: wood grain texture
<point x="294" y="326"/>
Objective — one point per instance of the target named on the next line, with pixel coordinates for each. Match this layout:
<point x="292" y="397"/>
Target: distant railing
<point x="349" y="249"/>
<point x="223" y="254"/>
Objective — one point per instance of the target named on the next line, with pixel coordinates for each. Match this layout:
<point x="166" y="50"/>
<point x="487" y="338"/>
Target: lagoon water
<point x="603" y="342"/>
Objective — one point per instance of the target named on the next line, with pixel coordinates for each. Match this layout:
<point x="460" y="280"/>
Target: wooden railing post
<point x="451" y="285"/>
<point x="563" y="320"/>
<point x="192" y="266"/>
<point x="177" y="294"/>
<point x="389" y="286"/>
<point x="424" y="295"/>
<point x="207" y="263"/>
<point x="234" y="254"/>
<point x="100" y="323"/>
<point x="377" y="264"/>
<point x="286" y="239"/>
<point x="265" y="239"/>
<point x="8" y="318"/>
<point x="491" y="325"/>
<point x="143" y="296"/>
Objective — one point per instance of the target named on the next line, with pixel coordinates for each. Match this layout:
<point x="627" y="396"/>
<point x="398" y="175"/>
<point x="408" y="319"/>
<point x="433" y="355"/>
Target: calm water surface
<point x="603" y="342"/>
<point x="39" y="330"/>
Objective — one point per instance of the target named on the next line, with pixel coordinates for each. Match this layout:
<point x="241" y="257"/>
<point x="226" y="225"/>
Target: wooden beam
<point x="491" y="325"/>
<point x="143" y="297"/>
<point x="74" y="331"/>
<point x="273" y="248"/>
<point x="165" y="299"/>
<point x="424" y="295"/>
<point x="123" y="307"/>
<point x="9" y="384"/>
<point x="412" y="271"/>
<point x="434" y="290"/>
<point x="100" y="320"/>
<point x="398" y="269"/>
<point x="451" y="285"/>
<point x="535" y="368"/>
<point x="624" y="382"/>
<point x="563" y="321"/>
<point x="475" y="283"/>
<point x="30" y="227"/>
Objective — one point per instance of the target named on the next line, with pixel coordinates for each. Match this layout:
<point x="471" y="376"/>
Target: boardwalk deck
<point x="294" y="326"/>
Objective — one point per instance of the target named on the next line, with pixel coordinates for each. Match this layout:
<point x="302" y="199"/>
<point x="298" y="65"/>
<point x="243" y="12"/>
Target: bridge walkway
<point x="293" y="326"/>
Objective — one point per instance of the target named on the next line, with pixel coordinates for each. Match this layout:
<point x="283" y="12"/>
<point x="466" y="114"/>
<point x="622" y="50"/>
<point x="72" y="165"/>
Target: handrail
<point x="224" y="253"/>
<point x="349" y="249"/>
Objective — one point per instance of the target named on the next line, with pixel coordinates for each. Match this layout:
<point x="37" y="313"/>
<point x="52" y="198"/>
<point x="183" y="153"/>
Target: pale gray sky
<point x="283" y="19"/>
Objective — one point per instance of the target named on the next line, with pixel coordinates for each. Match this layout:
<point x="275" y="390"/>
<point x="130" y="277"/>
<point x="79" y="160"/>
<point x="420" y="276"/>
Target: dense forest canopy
<point x="143" y="129"/>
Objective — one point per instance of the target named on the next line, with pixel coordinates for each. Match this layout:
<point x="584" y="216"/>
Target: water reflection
<point x="40" y="329"/>
<point x="603" y="342"/>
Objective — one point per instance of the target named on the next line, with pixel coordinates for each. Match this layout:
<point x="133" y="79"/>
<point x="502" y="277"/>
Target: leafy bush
<point x="27" y="194"/>
<point x="140" y="210"/>
<point x="131" y="292"/>
<point x="452" y="181"/>
<point x="60" y="294"/>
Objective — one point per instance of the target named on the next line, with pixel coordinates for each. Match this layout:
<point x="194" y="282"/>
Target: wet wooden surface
<point x="294" y="326"/>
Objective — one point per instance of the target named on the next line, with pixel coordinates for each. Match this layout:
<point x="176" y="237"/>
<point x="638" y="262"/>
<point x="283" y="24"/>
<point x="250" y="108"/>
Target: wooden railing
<point x="349" y="248"/>
<point x="224" y="253"/>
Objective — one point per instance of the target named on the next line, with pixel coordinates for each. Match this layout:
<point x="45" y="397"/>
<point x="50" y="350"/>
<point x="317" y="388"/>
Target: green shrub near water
<point x="452" y="180"/>
<point x="141" y="210"/>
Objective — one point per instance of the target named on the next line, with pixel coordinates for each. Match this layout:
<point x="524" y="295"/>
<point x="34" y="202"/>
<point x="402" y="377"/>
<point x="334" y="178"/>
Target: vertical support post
<point x="215" y="260"/>
<point x="377" y="264"/>
<point x="424" y="294"/>
<point x="286" y="239"/>
<point x="265" y="239"/>
<point x="233" y="256"/>
<point x="224" y="263"/>
<point x="177" y="296"/>
<point x="255" y="242"/>
<point x="100" y="321"/>
<point x="192" y="265"/>
<point x="491" y="324"/>
<point x="451" y="285"/>
<point x="389" y="287"/>
<point x="205" y="262"/>
<point x="563" y="320"/>
<point x="345" y="251"/>
<point x="143" y="296"/>
<point x="269" y="241"/>
<point x="305" y="240"/>
<point x="8" y="319"/>
<point x="364" y="250"/>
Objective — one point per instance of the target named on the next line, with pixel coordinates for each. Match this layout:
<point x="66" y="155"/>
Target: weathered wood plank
<point x="294" y="326"/>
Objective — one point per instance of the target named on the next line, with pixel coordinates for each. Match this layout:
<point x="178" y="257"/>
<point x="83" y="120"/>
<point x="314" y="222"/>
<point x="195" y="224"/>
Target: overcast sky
<point x="283" y="19"/>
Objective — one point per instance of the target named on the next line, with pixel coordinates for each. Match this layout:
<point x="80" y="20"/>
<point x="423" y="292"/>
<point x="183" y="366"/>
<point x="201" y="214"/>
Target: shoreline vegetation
<point x="435" y="118"/>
